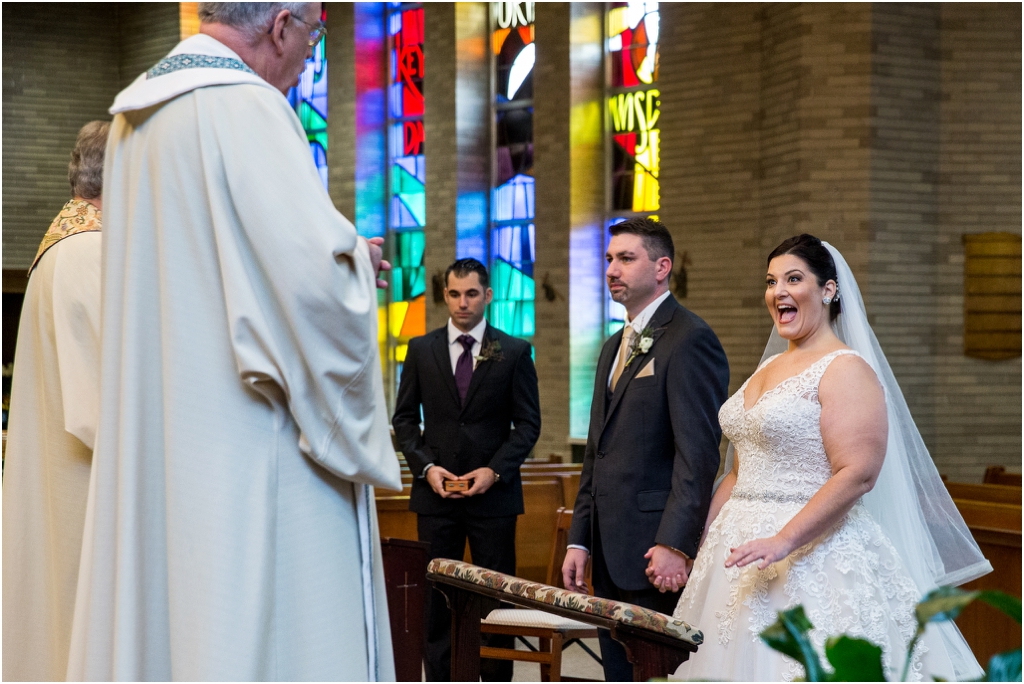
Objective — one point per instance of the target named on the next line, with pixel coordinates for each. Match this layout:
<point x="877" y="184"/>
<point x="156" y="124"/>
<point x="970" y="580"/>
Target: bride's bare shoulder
<point x="849" y="376"/>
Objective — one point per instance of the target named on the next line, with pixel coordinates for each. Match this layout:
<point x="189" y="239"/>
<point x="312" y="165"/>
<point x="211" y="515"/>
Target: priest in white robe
<point x="52" y="425"/>
<point x="231" y="530"/>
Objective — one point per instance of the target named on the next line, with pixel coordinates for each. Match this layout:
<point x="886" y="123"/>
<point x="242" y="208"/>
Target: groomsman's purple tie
<point x="464" y="366"/>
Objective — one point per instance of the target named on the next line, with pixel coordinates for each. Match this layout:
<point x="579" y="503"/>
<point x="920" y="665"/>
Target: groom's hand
<point x="667" y="569"/>
<point x="574" y="570"/>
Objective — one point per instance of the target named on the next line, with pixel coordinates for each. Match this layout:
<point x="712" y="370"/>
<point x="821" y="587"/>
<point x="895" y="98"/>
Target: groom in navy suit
<point x="473" y="383"/>
<point x="652" y="452"/>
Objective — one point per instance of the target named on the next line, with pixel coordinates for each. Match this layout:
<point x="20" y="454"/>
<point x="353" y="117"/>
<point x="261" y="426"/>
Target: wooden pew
<point x="394" y="518"/>
<point x="989" y="515"/>
<point x="998" y="475"/>
<point x="993" y="493"/>
<point x="996" y="527"/>
<point x="534" y="530"/>
<point x="550" y="467"/>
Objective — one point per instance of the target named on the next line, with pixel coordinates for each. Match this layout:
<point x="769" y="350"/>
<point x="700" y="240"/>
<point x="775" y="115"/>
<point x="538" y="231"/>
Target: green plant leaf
<point x="854" y="660"/>
<point x="943" y="604"/>
<point x="1004" y="667"/>
<point x="788" y="635"/>
<point x="1002" y="601"/>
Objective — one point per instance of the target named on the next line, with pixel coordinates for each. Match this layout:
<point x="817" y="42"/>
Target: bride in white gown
<point x="831" y="500"/>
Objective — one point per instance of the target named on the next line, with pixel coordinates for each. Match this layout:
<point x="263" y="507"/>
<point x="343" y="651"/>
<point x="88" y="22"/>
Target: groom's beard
<point x="620" y="296"/>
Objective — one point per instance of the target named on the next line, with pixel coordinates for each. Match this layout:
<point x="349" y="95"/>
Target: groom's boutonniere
<point x="490" y="351"/>
<point x="641" y="344"/>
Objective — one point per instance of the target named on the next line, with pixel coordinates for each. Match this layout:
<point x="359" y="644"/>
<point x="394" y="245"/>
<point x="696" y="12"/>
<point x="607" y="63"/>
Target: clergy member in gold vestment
<point x="54" y="402"/>
<point x="231" y="529"/>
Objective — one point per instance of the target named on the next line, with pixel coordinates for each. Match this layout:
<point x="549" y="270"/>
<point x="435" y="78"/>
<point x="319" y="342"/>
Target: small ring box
<point x="456" y="485"/>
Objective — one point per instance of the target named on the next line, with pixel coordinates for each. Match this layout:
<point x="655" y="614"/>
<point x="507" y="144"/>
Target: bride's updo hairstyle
<point x="817" y="258"/>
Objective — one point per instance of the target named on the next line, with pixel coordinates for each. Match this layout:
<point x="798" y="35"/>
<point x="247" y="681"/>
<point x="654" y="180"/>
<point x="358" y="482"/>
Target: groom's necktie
<point x="464" y="366"/>
<point x="620" y="364"/>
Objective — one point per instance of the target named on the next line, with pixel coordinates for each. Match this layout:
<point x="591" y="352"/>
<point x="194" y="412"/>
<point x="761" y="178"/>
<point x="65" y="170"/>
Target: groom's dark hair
<point x="463" y="267"/>
<point x="657" y="239"/>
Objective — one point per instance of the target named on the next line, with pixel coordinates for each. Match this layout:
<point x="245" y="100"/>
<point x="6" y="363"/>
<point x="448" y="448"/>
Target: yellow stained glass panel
<point x="396" y="317"/>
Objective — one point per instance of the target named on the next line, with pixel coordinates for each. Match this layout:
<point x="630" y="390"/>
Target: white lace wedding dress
<point x="850" y="580"/>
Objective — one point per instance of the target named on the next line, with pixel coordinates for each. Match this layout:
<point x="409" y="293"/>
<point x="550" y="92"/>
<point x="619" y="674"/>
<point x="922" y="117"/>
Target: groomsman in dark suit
<point x="652" y="452"/>
<point x="473" y="383"/>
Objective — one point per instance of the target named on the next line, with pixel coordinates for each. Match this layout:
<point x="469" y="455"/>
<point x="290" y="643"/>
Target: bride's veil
<point x="909" y="500"/>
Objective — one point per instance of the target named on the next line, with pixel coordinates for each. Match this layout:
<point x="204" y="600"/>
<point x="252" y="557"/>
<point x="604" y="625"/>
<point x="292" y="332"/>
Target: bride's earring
<point x="826" y="300"/>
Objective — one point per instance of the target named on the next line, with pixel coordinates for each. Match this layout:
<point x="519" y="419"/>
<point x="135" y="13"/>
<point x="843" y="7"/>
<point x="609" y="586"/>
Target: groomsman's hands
<point x="482" y="479"/>
<point x="667" y="569"/>
<point x="436" y="477"/>
<point x="574" y="570"/>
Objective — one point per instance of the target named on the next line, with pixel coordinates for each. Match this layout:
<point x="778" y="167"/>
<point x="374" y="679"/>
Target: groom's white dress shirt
<point x="640" y="322"/>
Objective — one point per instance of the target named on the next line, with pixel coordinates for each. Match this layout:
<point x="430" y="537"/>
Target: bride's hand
<point x="769" y="550"/>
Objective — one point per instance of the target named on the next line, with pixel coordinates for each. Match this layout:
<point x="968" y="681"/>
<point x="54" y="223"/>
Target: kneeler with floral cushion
<point x="656" y="643"/>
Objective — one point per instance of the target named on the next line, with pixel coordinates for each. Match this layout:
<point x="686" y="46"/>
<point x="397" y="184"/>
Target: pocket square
<point x="647" y="370"/>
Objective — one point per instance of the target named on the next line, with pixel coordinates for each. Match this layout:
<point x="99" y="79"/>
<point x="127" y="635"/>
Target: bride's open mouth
<point x="787" y="313"/>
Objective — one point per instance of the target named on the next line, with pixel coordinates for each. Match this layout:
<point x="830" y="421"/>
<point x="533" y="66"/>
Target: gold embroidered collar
<point x="77" y="216"/>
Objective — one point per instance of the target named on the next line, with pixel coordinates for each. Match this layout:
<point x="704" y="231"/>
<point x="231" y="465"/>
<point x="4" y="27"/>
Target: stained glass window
<point x="512" y="239"/>
<point x="634" y="107"/>
<point x="407" y="314"/>
<point x="309" y="99"/>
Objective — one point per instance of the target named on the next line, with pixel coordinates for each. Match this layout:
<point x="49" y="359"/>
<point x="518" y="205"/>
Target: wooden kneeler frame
<point x="654" y="651"/>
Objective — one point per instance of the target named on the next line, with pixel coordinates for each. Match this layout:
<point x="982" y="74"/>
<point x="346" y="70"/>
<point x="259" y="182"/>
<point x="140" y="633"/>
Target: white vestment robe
<point x="230" y="532"/>
<point x="52" y="424"/>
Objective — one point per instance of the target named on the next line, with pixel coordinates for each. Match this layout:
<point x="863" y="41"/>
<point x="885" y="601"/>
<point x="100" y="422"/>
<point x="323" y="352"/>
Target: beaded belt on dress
<point x="777" y="497"/>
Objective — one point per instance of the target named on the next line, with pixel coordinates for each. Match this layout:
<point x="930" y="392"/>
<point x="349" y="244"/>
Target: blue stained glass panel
<point x="309" y="100"/>
<point x="514" y="200"/>
<point x="401" y="216"/>
<point x="515" y="244"/>
<point x="395" y="98"/>
<point x="415" y="166"/>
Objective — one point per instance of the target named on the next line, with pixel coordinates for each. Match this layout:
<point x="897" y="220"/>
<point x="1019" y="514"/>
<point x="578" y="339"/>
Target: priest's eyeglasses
<point x="317" y="30"/>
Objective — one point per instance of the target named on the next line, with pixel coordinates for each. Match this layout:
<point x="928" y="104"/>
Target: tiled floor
<point x="575" y="663"/>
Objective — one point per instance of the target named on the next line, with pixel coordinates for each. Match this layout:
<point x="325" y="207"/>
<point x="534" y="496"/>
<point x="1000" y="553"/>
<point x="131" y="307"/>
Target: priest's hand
<point x="482" y="479"/>
<point x="574" y="569"/>
<point x="436" y="476"/>
<point x="380" y="264"/>
<point x="667" y="569"/>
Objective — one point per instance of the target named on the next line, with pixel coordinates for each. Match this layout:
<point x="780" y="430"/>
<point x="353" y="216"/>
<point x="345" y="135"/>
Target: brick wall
<point x="147" y="32"/>
<point x="62" y="66"/>
<point x="551" y="140"/>
<point x="340" y="52"/>
<point x="442" y="158"/>
<point x="60" y="70"/>
<point x="889" y="130"/>
<point x="977" y="404"/>
<point x="900" y="292"/>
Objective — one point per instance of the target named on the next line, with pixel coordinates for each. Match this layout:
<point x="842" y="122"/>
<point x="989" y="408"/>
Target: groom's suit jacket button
<point x="600" y="454"/>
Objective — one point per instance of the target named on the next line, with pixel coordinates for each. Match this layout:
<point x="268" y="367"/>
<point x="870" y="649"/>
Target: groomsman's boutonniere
<point x="641" y="344"/>
<point x="490" y="351"/>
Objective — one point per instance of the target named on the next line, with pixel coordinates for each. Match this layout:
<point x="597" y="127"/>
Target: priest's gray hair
<point x="250" y="17"/>
<point x="85" y="172"/>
